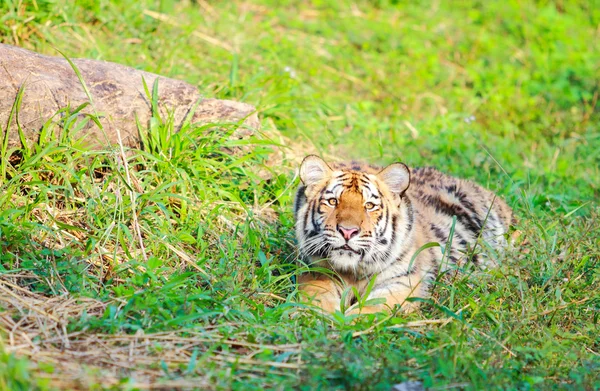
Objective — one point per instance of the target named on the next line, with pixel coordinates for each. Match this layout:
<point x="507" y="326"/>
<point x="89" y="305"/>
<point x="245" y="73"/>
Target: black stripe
<point x="436" y="269"/>
<point x="354" y="183"/>
<point x="407" y="273"/>
<point x="381" y="216"/>
<point x="314" y="214"/>
<point x="308" y="212"/>
<point x="401" y="283"/>
<point x="472" y="223"/>
<point x="322" y="192"/>
<point x="394" y="229"/>
<point x="404" y="253"/>
<point x="312" y="233"/>
<point x="438" y="232"/>
<point x="466" y="203"/>
<point x="336" y="186"/>
<point x="338" y="289"/>
<point x="299" y="201"/>
<point x="474" y="258"/>
<point x="411" y="215"/>
<point x="387" y="220"/>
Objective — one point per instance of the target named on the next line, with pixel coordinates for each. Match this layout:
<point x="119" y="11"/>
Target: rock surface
<point x="117" y="91"/>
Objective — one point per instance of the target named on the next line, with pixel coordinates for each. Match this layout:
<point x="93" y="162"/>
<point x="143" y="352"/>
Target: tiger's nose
<point x="348" y="233"/>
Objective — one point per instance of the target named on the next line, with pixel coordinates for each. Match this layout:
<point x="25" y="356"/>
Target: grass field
<point x="504" y="93"/>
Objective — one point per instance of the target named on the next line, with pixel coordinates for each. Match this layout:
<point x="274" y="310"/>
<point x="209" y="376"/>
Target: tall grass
<point x="174" y="263"/>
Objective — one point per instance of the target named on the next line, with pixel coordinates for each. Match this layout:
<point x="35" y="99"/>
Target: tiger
<point x="375" y="230"/>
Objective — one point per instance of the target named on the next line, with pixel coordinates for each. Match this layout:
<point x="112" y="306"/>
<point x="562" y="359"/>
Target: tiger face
<point x="353" y="220"/>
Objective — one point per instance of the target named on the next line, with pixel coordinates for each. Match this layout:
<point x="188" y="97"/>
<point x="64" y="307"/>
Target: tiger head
<point x="355" y="218"/>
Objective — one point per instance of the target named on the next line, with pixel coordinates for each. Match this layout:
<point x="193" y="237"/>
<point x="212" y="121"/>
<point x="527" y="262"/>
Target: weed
<point x="157" y="266"/>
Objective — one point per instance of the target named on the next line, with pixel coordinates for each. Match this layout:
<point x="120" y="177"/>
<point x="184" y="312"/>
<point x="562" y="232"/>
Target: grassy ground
<point x="504" y="93"/>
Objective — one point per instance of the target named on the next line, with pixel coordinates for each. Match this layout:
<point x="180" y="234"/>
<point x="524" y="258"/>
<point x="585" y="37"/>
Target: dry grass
<point x="36" y="326"/>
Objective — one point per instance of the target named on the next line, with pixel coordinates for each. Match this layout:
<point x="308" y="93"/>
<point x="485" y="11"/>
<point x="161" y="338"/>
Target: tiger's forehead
<point x="355" y="181"/>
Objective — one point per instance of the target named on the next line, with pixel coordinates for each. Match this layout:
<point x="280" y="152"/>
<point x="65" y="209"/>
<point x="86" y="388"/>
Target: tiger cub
<point x="364" y="222"/>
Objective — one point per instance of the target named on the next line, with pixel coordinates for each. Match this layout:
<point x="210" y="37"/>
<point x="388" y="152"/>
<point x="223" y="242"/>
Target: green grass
<point x="503" y="93"/>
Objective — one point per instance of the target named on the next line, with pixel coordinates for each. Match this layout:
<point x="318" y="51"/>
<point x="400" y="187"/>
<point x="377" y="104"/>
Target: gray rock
<point x="117" y="92"/>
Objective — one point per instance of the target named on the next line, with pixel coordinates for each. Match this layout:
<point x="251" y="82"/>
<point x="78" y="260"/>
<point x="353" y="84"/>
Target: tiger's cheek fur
<point x="309" y="223"/>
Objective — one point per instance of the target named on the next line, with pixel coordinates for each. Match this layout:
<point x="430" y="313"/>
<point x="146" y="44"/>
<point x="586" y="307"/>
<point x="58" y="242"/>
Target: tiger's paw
<point x="407" y="307"/>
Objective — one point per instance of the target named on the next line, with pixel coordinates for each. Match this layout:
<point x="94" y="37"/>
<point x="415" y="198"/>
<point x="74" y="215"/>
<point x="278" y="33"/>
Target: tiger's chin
<point x="345" y="260"/>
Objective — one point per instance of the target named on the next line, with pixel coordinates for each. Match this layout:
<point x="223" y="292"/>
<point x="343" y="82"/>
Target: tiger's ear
<point x="396" y="176"/>
<point x="313" y="169"/>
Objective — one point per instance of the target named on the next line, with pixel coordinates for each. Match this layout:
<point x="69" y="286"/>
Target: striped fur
<point x="362" y="222"/>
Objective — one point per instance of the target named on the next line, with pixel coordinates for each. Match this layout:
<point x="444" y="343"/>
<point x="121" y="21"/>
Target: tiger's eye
<point x="369" y="205"/>
<point x="332" y="201"/>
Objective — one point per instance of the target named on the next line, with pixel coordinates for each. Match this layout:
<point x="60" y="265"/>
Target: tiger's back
<point x="480" y="213"/>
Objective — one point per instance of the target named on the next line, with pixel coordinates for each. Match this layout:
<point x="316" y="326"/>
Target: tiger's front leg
<point x="320" y="290"/>
<point x="394" y="294"/>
